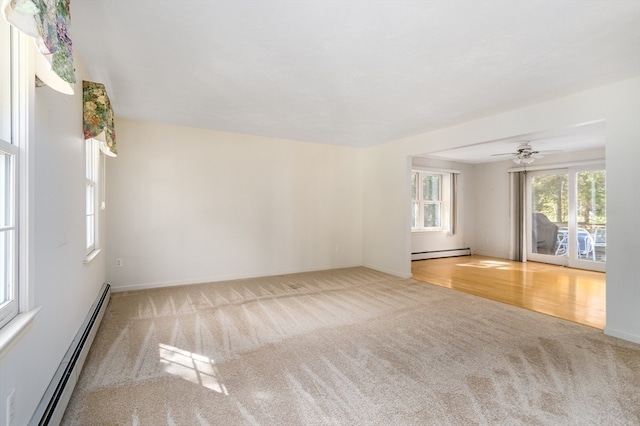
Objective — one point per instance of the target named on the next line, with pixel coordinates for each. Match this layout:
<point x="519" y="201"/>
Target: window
<point x="9" y="163"/>
<point x="431" y="201"/>
<point x="8" y="231"/>
<point x="92" y="156"/>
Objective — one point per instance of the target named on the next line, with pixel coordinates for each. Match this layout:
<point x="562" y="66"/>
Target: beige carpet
<point x="347" y="347"/>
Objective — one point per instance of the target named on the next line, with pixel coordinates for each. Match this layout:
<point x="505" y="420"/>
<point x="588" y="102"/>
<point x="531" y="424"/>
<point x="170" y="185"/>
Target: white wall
<point x="62" y="284"/>
<point x="464" y="234"/>
<point x="492" y="209"/>
<point x="623" y="210"/>
<point x="386" y="221"/>
<point x="386" y="224"/>
<point x="189" y="206"/>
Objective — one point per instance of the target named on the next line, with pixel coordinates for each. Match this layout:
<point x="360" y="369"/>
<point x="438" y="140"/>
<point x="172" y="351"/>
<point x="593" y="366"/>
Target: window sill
<point x="15" y="327"/>
<point x="92" y="256"/>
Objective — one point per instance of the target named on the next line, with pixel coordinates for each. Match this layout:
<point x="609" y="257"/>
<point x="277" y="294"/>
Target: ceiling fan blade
<point x="550" y="151"/>
<point x="505" y="153"/>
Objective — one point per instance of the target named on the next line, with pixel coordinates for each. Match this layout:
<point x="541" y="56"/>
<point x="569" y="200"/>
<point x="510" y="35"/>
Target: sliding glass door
<point x="548" y="221"/>
<point x="566" y="219"/>
<point x="589" y="217"/>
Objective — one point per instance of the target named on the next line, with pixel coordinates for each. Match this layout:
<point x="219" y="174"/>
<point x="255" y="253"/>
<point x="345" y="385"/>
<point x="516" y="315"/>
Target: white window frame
<point x="92" y="196"/>
<point x="9" y="304"/>
<point x="16" y="109"/>
<point x="444" y="202"/>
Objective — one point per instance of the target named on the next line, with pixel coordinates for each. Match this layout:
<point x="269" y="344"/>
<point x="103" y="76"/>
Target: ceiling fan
<point x="525" y="154"/>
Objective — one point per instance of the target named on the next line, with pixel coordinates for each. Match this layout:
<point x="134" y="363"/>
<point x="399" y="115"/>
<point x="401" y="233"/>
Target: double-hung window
<point x="9" y="174"/>
<point x="92" y="166"/>
<point x="432" y="196"/>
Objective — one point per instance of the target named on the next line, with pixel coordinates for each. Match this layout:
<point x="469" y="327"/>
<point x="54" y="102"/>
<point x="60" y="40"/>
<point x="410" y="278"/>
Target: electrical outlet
<point x="119" y="262"/>
<point x="11" y="407"/>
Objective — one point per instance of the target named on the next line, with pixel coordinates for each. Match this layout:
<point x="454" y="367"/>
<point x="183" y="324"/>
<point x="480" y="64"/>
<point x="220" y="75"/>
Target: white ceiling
<point x="579" y="138"/>
<point x="353" y="73"/>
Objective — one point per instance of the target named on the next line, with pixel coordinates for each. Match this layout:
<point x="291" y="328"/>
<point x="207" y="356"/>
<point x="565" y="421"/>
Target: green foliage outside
<point x="550" y="197"/>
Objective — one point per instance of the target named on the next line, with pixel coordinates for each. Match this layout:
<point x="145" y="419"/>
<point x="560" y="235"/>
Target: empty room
<point x="220" y="212"/>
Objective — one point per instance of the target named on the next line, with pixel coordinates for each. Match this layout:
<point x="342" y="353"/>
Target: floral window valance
<point x="98" y="116"/>
<point x="48" y="22"/>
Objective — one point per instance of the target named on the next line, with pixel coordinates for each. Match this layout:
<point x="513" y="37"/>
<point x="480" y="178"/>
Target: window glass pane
<point x="591" y="215"/>
<point x="6" y="221"/>
<point x="414" y="214"/>
<point x="90" y="200"/>
<point x="88" y="161"/>
<point x="91" y="196"/>
<point x="6" y="265"/>
<point x="549" y="195"/>
<point x="90" y="227"/>
<point x="6" y="193"/>
<point x="550" y="217"/>
<point x="591" y="208"/>
<point x="431" y="187"/>
<point x="5" y="82"/>
<point x="431" y="215"/>
<point x="414" y="186"/>
<point x="90" y="233"/>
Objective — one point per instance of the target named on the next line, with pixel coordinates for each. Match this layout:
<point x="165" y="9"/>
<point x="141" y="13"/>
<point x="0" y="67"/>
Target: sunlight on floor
<point x="568" y="293"/>
<point x="191" y="367"/>
<point x="485" y="264"/>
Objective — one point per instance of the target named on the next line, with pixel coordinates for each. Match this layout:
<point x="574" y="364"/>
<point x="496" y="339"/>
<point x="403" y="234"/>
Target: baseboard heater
<point x="56" y="397"/>
<point x="441" y="253"/>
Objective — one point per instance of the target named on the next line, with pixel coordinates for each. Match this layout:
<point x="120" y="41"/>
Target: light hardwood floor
<point x="572" y="294"/>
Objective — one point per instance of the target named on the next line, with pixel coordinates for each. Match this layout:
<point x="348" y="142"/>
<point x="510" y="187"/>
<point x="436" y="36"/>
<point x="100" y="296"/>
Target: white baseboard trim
<point x="437" y="254"/>
<point x="232" y="277"/>
<point x="389" y="271"/>
<point x="56" y="397"/>
<point x="622" y="335"/>
<point x="491" y="254"/>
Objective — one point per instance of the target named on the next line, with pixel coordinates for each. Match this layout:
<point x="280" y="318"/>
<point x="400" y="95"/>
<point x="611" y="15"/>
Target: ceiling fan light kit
<point x="523" y="160"/>
<point x="524" y="154"/>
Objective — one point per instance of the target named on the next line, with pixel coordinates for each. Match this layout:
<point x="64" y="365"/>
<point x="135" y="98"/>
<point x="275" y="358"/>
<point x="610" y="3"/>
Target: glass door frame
<point x="528" y="220"/>
<point x="571" y="259"/>
<point x="574" y="260"/>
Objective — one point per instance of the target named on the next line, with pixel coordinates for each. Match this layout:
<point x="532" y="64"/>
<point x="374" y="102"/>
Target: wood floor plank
<point x="572" y="294"/>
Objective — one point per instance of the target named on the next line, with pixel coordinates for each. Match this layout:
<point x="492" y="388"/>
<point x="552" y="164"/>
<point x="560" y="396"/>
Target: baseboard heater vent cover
<point x="56" y="397"/>
<point x="435" y="254"/>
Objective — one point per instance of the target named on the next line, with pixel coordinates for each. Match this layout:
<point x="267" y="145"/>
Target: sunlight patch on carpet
<point x="192" y="367"/>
